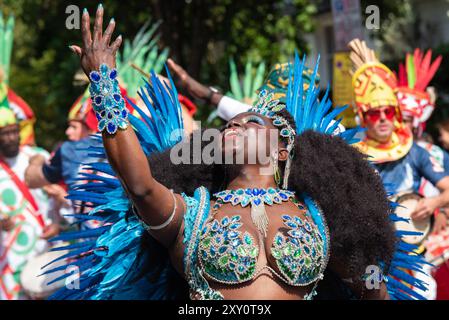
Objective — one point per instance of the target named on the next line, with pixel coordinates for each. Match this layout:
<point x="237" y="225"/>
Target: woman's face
<point x="250" y="138"/>
<point x="444" y="138"/>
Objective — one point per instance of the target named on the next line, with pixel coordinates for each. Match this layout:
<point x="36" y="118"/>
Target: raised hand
<point x="196" y="89"/>
<point x="425" y="208"/>
<point x="97" y="49"/>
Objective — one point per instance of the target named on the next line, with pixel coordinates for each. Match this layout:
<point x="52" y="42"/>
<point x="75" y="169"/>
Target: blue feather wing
<point x="109" y="258"/>
<point x="401" y="284"/>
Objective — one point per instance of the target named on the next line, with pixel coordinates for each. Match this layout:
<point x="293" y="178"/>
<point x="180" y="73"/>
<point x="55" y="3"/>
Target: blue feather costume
<point x="111" y="261"/>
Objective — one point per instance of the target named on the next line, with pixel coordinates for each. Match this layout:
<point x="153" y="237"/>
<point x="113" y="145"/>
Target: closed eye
<point x="255" y="119"/>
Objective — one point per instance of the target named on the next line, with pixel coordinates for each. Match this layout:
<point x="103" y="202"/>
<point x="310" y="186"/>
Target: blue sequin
<point x="222" y="249"/>
<point x="218" y="239"/>
<point x="117" y="97"/>
<point x="233" y="234"/>
<point x="291" y="224"/>
<point x="295" y="233"/>
<point x="245" y="201"/>
<point x="112" y="128"/>
<point x="308" y="227"/>
<point x="113" y="74"/>
<point x="299" y="221"/>
<point x="235" y="226"/>
<point x="95" y="76"/>
<point x="279" y="240"/>
<point x="215" y="226"/>
<point x="225" y="221"/>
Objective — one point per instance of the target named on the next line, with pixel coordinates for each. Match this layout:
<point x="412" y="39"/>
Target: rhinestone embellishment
<point x="107" y="100"/>
<point x="299" y="255"/>
<point x="226" y="254"/>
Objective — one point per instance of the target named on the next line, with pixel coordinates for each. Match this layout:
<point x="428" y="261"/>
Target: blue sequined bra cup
<point x="229" y="255"/>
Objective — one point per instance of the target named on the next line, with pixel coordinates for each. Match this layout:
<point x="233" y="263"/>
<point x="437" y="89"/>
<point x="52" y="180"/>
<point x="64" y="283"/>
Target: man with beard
<point x="26" y="216"/>
<point x="401" y="162"/>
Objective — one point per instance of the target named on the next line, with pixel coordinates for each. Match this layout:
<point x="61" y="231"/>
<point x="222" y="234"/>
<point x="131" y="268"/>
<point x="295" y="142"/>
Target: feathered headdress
<point x="414" y="98"/>
<point x="372" y="81"/>
<point x="374" y="87"/>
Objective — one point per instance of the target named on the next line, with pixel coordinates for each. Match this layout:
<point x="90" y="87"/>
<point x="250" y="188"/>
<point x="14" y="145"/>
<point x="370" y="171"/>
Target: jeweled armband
<point x="107" y="100"/>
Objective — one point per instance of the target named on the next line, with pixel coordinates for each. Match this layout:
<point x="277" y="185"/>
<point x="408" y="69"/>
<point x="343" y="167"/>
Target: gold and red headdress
<point x="25" y="116"/>
<point x="412" y="92"/>
<point x="8" y="98"/>
<point x="374" y="83"/>
<point x="374" y="87"/>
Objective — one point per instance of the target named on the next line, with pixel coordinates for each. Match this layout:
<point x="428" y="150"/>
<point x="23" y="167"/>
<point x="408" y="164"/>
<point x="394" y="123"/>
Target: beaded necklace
<point x="256" y="197"/>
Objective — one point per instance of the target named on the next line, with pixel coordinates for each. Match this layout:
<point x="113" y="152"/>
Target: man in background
<point x="27" y="217"/>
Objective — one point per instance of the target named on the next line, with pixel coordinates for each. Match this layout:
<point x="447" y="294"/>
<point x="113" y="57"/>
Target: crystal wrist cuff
<point x="107" y="101"/>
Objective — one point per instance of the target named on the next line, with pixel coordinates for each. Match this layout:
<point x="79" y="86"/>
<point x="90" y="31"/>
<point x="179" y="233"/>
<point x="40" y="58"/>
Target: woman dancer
<point x="255" y="230"/>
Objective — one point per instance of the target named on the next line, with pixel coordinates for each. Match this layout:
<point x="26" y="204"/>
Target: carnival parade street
<point x="167" y="151"/>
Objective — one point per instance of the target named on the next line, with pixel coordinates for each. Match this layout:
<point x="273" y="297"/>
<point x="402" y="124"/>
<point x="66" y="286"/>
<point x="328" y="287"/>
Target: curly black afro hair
<point x="340" y="180"/>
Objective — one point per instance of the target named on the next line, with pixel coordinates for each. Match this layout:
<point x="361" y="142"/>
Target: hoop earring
<point x="276" y="172"/>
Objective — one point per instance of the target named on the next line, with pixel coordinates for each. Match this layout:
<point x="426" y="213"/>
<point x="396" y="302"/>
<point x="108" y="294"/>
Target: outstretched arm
<point x="227" y="108"/>
<point x="196" y="89"/>
<point x="154" y="202"/>
<point x="34" y="176"/>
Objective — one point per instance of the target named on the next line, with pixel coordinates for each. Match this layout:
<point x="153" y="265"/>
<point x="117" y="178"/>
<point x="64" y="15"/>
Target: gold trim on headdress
<point x="7" y="117"/>
<point x="374" y="87"/>
<point x="373" y="82"/>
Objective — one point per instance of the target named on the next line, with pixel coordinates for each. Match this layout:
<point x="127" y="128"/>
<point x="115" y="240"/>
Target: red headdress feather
<point x="425" y="70"/>
<point x="402" y="76"/>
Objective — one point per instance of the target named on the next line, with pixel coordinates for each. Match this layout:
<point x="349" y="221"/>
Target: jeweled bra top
<point x="229" y="255"/>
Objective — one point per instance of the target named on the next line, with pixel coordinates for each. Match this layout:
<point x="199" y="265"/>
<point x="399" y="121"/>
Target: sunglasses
<point x="374" y="115"/>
